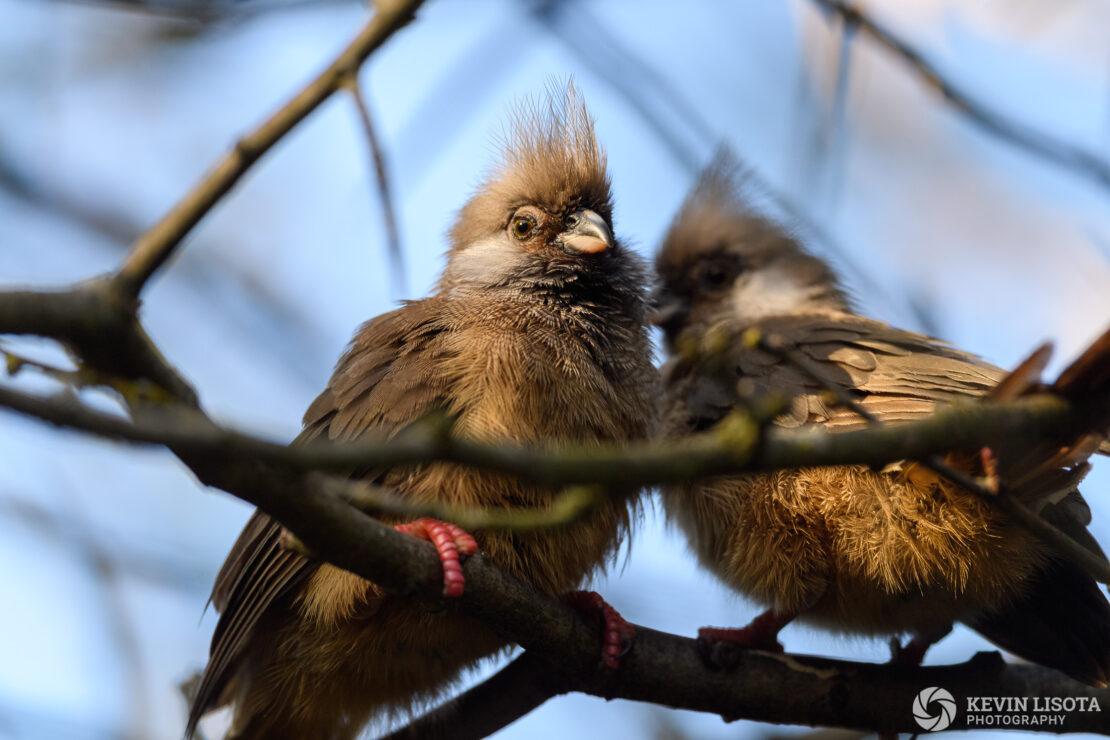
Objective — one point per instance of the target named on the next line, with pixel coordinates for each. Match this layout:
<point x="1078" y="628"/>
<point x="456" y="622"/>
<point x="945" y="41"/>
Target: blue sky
<point x="107" y="117"/>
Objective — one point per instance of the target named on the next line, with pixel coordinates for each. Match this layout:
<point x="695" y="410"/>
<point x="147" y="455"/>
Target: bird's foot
<point x="990" y="468"/>
<point x="913" y="652"/>
<point x="452" y="543"/>
<point x="719" y="646"/>
<point x="617" y="632"/>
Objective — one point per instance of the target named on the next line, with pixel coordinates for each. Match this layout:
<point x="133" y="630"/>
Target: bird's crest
<point x="550" y="157"/>
<point x="716" y="211"/>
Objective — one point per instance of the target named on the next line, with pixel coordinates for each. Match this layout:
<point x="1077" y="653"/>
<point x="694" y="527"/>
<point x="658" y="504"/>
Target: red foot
<point x="990" y="468"/>
<point x="761" y="634"/>
<point x="450" y="542"/>
<point x="617" y="635"/>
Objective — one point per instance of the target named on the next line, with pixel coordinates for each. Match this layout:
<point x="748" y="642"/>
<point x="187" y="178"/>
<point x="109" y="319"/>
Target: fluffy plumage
<point x="898" y="550"/>
<point x="535" y="334"/>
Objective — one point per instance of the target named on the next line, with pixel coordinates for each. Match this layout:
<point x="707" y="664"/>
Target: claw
<point x="719" y="646"/>
<point x="451" y="543"/>
<point x="617" y="633"/>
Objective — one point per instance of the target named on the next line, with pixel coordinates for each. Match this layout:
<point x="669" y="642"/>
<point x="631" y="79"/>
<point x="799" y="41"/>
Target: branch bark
<point x="156" y="246"/>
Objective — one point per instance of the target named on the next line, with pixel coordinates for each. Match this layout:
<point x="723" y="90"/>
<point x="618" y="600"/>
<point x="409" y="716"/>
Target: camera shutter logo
<point x="934" y="709"/>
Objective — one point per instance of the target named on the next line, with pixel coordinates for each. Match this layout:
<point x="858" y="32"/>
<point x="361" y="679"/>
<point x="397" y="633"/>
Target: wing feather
<point x="384" y="380"/>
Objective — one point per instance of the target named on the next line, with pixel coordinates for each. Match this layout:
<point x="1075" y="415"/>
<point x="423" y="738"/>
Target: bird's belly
<point x="855" y="550"/>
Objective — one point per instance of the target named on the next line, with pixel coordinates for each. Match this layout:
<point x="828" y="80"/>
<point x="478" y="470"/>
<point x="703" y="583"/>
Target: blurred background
<point x="938" y="217"/>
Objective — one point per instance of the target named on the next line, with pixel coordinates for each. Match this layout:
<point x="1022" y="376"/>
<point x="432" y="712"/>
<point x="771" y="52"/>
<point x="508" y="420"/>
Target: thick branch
<point x="101" y="326"/>
<point x="661" y="668"/>
<point x="154" y="247"/>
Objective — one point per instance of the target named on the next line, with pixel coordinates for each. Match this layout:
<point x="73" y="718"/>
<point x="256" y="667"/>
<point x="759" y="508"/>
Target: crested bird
<point x="901" y="551"/>
<point x="535" y="333"/>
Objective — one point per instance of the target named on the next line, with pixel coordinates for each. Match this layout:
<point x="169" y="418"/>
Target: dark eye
<point x="715" y="275"/>
<point x="522" y="227"/>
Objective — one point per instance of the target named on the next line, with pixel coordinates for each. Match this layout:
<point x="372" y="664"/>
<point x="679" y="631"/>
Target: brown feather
<point x="853" y="549"/>
<point x="524" y="342"/>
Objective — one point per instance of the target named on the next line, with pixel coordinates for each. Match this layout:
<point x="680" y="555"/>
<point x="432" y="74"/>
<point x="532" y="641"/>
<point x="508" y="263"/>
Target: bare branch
<point x="101" y="326"/>
<point x="514" y="691"/>
<point x="993" y="122"/>
<point x="385" y="195"/>
<point x="156" y="246"/>
<point x="733" y="447"/>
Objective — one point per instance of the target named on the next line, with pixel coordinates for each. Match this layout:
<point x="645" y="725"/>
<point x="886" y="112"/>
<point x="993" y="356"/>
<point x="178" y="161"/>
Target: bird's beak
<point x="667" y="311"/>
<point x="587" y="234"/>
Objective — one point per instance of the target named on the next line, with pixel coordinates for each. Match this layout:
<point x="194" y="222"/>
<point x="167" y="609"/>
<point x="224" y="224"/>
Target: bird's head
<point x="542" y="221"/>
<point x="723" y="262"/>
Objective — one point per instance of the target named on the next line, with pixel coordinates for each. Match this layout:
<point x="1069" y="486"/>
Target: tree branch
<point x="733" y="447"/>
<point x="156" y="246"/>
<point x="660" y="668"/>
<point x="100" y="325"/>
<point x="993" y="122"/>
<point x="385" y="193"/>
<point x="514" y="691"/>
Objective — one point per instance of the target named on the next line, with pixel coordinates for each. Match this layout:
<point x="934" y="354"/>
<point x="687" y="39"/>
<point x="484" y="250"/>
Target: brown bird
<point x="895" y="551"/>
<point x="536" y="333"/>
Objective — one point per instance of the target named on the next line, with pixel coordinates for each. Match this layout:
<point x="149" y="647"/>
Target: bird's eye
<point x="522" y="227"/>
<point x="715" y="275"/>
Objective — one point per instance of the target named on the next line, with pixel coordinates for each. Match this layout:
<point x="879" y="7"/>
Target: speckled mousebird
<point x="897" y="551"/>
<point x="535" y="333"/>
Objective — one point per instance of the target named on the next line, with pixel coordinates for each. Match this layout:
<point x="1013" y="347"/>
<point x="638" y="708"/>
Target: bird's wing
<point x="895" y="375"/>
<point x="385" y="380"/>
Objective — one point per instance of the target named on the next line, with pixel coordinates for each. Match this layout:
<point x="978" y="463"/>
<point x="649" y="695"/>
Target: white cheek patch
<point x="486" y="262"/>
<point x="771" y="291"/>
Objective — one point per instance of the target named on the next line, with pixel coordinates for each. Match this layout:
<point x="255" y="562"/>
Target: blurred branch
<point x="156" y="246"/>
<point x="204" y="11"/>
<point x="216" y="270"/>
<point x="142" y="563"/>
<point x="392" y="235"/>
<point x="733" y="446"/>
<point x="1035" y="142"/>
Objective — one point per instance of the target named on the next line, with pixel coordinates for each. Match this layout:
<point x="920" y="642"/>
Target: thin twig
<point x="385" y="194"/>
<point x="156" y="246"/>
<point x="732" y="447"/>
<point x="568" y="506"/>
<point x="992" y="121"/>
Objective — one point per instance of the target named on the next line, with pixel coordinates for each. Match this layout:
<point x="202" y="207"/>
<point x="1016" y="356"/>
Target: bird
<point x="535" y="333"/>
<point x="902" y="551"/>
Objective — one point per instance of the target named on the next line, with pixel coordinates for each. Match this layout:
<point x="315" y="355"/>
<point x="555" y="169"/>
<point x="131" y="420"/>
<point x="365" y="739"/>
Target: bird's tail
<point x="1048" y="473"/>
<point x="1062" y="621"/>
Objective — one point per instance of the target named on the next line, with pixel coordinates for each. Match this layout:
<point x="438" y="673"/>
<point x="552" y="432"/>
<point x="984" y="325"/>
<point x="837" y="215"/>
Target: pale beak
<point x="587" y="234"/>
